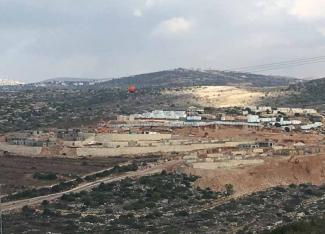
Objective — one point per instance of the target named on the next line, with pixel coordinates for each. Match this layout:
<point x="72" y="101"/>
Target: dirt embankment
<point x="245" y="133"/>
<point x="58" y="150"/>
<point x="273" y="172"/>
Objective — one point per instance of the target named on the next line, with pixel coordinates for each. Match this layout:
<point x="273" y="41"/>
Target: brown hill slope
<point x="273" y="172"/>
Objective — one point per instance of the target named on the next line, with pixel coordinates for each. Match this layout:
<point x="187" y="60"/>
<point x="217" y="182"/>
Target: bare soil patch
<point x="246" y="133"/>
<point x="273" y="172"/>
<point x="221" y="96"/>
<point x="16" y="172"/>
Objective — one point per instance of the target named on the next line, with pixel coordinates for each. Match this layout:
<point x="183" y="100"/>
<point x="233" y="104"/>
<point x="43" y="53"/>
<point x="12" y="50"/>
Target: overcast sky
<point x="111" y="38"/>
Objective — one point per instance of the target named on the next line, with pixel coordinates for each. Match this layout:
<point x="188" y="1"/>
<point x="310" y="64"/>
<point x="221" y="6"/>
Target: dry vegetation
<point x="16" y="172"/>
<point x="218" y="96"/>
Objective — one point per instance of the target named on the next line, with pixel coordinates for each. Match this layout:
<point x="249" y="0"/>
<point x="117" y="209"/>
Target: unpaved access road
<point x="14" y="205"/>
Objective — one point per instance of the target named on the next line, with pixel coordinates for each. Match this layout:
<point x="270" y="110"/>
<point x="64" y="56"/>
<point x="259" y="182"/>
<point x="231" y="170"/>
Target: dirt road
<point x="14" y="205"/>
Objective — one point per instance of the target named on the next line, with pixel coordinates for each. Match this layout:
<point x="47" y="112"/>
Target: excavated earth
<point x="273" y="172"/>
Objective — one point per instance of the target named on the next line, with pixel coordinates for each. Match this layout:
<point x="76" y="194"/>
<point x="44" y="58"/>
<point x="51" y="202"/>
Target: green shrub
<point x="45" y="203"/>
<point x="182" y="213"/>
<point x="45" y="176"/>
<point x="91" y="219"/>
<point x="27" y="211"/>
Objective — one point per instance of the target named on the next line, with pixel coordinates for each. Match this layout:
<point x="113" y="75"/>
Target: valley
<point x="197" y="153"/>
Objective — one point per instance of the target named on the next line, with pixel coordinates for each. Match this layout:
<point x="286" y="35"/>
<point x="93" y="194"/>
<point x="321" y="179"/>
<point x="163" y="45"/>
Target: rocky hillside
<point x="302" y="94"/>
<point x="175" y="78"/>
<point x="185" y="77"/>
<point x="310" y="91"/>
<point x="308" y="94"/>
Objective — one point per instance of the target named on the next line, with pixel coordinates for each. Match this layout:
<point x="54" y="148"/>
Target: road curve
<point x="14" y="205"/>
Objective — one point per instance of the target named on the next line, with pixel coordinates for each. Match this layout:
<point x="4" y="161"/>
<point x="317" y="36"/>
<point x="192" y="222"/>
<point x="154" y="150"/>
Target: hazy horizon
<point x="42" y="39"/>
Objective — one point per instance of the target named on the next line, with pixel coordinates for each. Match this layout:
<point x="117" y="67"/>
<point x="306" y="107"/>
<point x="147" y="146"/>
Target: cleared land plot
<point x="111" y="152"/>
<point x="227" y="164"/>
<point x="256" y="177"/>
<point x="221" y="96"/>
<point x="243" y="133"/>
<point x="16" y="172"/>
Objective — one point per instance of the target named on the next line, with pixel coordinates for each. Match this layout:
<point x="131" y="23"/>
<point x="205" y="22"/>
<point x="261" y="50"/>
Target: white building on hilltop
<point x="160" y="114"/>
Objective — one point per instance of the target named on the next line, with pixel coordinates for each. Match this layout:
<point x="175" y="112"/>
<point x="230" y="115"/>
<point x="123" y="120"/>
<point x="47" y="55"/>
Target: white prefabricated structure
<point x="160" y="114"/>
<point x="253" y="119"/>
<point x="193" y="118"/>
<point x="311" y="126"/>
<point x="290" y="122"/>
<point x="266" y="120"/>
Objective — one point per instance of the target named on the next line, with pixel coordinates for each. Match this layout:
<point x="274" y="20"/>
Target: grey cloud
<point x="43" y="39"/>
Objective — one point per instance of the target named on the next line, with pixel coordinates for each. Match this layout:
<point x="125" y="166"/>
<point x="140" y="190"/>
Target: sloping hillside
<point x="185" y="77"/>
<point x="308" y="94"/>
<point x="304" y="94"/>
<point x="311" y="91"/>
<point x="68" y="79"/>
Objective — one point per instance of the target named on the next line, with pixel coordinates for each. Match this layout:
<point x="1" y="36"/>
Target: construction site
<point x="203" y="149"/>
<point x="231" y="157"/>
<point x="225" y="162"/>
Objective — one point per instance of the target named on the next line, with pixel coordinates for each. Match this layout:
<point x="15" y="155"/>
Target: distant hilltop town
<point x="5" y="82"/>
